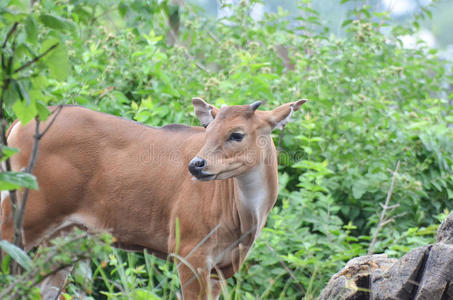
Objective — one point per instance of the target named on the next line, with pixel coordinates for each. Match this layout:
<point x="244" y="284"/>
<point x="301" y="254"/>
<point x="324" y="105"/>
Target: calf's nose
<point x="196" y="165"/>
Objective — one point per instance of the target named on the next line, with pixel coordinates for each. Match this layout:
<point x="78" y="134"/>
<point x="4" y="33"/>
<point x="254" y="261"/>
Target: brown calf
<point x="106" y="173"/>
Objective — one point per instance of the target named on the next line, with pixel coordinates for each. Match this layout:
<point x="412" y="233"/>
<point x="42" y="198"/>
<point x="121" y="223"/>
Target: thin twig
<point x="6" y="66"/>
<point x="187" y="6"/>
<point x="57" y="112"/>
<point x="186" y="52"/>
<point x="39" y="279"/>
<point x="388" y="12"/>
<point x="95" y="18"/>
<point x="19" y="219"/>
<point x="391" y="207"/>
<point x="19" y="216"/>
<point x="219" y="256"/>
<point x="27" y="277"/>
<point x="10" y="32"/>
<point x="213" y="36"/>
<point x="203" y="240"/>
<point x="30" y="62"/>
<point x="282" y="263"/>
<point x="382" y="220"/>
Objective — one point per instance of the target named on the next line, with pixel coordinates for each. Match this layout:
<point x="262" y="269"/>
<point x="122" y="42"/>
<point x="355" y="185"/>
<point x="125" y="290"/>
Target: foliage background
<point x="372" y="103"/>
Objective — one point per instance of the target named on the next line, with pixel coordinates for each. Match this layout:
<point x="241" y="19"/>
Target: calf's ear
<point x="205" y="112"/>
<point x="281" y="115"/>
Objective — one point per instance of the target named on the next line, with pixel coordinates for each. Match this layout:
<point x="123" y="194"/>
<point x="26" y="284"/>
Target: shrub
<point x="372" y="103"/>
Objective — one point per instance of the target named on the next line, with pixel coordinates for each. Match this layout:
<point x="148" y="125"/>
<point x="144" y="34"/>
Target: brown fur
<point x="111" y="174"/>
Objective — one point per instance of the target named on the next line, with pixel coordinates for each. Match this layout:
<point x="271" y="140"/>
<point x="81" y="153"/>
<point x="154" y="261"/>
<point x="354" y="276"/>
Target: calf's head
<point x="237" y="137"/>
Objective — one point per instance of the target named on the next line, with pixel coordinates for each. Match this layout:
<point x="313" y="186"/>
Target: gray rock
<point x="399" y="282"/>
<point x="438" y="274"/>
<point x="445" y="231"/>
<point x="424" y="273"/>
<point x="352" y="282"/>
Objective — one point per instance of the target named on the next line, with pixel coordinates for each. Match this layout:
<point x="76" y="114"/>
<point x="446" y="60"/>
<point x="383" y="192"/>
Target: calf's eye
<point x="236" y="137"/>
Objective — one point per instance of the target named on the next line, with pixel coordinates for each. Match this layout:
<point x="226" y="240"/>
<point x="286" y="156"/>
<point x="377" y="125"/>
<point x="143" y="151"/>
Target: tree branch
<point x="10" y="32"/>
<point x="291" y="274"/>
<point x="382" y="220"/>
<point x="34" y="274"/>
<point x="211" y="35"/>
<point x="30" y="62"/>
<point x="57" y="112"/>
<point x="186" y="51"/>
<point x="6" y="68"/>
<point x="19" y="218"/>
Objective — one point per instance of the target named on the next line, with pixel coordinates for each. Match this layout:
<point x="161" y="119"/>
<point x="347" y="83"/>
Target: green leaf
<point x="36" y="95"/>
<point x="120" y="97"/>
<point x="81" y="100"/>
<point x="14" y="180"/>
<point x="43" y="112"/>
<point x="177" y="235"/>
<point x="122" y="9"/>
<point x="57" y="60"/>
<point x="6" y="263"/>
<point x="53" y="22"/>
<point x="39" y="81"/>
<point x="449" y="193"/>
<point x="31" y="29"/>
<point x="346" y="23"/>
<point x="359" y="188"/>
<point x="11" y="95"/>
<point x="23" y="93"/>
<point x="25" y="113"/>
<point x="19" y="255"/>
<point x="142" y="294"/>
<point x="7" y="152"/>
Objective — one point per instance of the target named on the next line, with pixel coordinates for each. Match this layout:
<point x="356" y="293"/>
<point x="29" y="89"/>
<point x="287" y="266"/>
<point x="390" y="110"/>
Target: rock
<point x="424" y="273"/>
<point x="445" y="231"/>
<point x="437" y="277"/>
<point x="352" y="282"/>
<point x="400" y="280"/>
